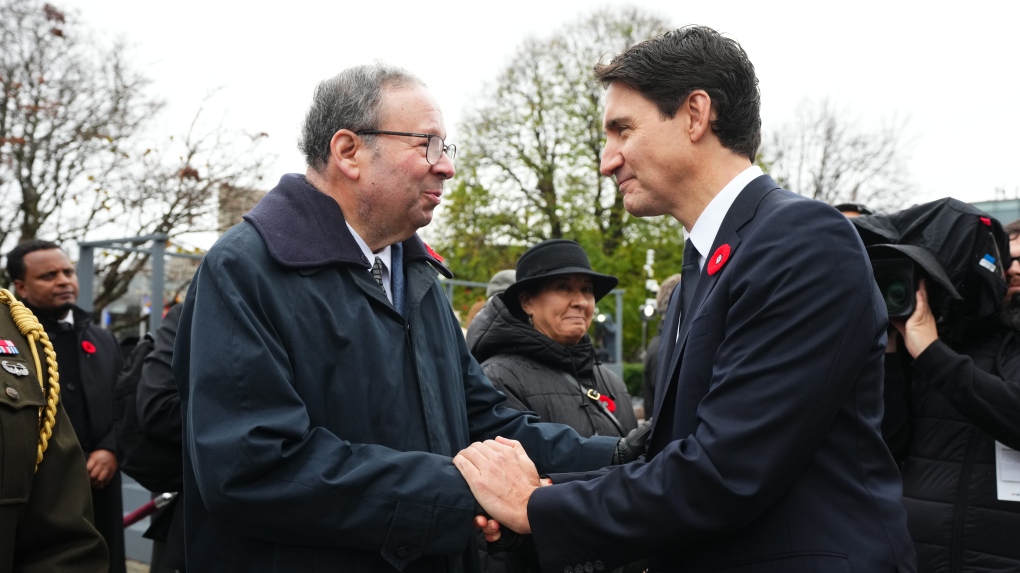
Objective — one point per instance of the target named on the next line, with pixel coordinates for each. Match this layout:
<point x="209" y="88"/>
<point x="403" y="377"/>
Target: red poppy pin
<point x="610" y="404"/>
<point x="88" y="347"/>
<point x="434" y="254"/>
<point x="719" y="258"/>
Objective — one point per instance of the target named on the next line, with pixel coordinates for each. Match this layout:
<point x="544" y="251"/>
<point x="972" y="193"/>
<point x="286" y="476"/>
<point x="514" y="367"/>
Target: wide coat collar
<point x="303" y="227"/>
<point x="739" y="215"/>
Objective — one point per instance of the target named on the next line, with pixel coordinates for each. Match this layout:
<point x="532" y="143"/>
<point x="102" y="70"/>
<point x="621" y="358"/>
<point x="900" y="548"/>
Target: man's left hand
<point x="920" y="330"/>
<point x="101" y="465"/>
<point x="501" y="477"/>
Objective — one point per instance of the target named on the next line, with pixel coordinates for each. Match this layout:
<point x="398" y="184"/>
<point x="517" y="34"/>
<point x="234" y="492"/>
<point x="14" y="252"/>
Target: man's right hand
<point x="502" y="478"/>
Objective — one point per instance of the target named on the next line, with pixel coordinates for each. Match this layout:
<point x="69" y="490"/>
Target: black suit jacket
<point x="766" y="453"/>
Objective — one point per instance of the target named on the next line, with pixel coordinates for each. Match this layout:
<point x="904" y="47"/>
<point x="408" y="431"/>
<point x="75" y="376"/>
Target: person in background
<point x="497" y="284"/>
<point x="159" y="414"/>
<point x="46" y="520"/>
<point x="323" y="376"/>
<point x="537" y="351"/>
<point x="854" y="209"/>
<point x="964" y="399"/>
<point x="89" y="358"/>
<point x="652" y="352"/>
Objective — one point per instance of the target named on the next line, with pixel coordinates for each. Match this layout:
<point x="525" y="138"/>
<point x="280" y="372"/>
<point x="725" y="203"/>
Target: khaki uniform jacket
<point x="45" y="515"/>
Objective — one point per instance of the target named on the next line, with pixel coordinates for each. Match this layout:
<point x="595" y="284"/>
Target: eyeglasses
<point x="435" y="147"/>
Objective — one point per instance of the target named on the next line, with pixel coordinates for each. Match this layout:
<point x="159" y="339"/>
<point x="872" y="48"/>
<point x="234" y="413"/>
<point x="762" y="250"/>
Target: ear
<point x="701" y="114"/>
<point x="344" y="149"/>
<point x="525" y="300"/>
<point x="18" y="285"/>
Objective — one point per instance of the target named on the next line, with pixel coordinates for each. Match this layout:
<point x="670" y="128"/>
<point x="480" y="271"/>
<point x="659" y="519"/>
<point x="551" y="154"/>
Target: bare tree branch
<point x="827" y="155"/>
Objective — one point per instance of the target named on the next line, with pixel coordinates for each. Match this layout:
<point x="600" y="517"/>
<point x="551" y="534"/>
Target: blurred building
<point x="1005" y="210"/>
<point x="234" y="202"/>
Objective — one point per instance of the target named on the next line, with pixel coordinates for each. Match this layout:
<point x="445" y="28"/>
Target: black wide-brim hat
<point x="553" y="258"/>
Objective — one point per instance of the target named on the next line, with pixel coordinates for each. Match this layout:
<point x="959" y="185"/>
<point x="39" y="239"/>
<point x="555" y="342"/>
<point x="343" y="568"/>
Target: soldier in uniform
<point x="45" y="506"/>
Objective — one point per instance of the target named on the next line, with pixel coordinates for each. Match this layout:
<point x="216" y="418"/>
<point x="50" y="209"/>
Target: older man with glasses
<point x="324" y="379"/>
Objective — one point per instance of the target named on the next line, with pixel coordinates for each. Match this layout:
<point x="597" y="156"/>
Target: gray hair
<point x="348" y="100"/>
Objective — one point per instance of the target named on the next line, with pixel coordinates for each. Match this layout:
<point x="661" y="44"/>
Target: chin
<point x="639" y="209"/>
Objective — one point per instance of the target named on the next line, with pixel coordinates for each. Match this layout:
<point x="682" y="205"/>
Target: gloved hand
<point x="511" y="541"/>
<point x="632" y="446"/>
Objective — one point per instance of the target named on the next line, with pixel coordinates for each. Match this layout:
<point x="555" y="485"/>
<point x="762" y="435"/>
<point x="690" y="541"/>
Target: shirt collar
<point x="707" y="226"/>
<point x="385" y="254"/>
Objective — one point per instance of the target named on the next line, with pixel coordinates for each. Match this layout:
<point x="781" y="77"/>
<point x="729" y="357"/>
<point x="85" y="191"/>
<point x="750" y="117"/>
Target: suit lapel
<point x="667" y="344"/>
<point x="740" y="213"/>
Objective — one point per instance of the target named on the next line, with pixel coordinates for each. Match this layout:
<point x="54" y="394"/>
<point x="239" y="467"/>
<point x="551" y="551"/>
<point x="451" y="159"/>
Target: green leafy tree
<point x="529" y="167"/>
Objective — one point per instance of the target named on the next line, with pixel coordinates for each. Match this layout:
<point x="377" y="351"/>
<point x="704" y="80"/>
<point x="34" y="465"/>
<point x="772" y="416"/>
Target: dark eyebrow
<point x="615" y="124"/>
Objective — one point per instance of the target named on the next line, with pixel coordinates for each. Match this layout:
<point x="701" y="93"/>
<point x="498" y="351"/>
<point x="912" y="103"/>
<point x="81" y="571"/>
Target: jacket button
<point x="13" y="393"/>
<point x="401" y="552"/>
<point x="72" y="387"/>
<point x="578" y="568"/>
<point x="568" y="569"/>
<point x="599" y="566"/>
<point x="588" y="568"/>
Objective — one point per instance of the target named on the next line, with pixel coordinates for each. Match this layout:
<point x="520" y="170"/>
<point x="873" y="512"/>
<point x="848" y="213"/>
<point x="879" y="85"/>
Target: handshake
<point x="502" y="478"/>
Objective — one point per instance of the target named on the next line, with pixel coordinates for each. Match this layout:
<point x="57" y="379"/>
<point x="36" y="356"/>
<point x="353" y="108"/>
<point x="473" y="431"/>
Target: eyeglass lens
<point x="436" y="148"/>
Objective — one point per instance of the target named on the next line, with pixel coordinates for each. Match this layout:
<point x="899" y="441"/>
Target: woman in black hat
<point x="536" y="348"/>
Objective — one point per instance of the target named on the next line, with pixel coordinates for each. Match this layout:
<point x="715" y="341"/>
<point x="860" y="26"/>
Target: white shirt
<point x="707" y="226"/>
<point x="384" y="254"/>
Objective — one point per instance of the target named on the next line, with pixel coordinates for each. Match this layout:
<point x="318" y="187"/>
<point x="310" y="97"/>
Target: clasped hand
<point x="501" y="477"/>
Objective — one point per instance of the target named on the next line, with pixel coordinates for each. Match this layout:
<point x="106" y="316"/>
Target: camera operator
<point x="963" y="399"/>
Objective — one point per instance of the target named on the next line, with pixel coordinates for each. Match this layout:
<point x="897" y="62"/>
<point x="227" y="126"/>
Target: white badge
<point x="15" y="368"/>
<point x="1007" y="470"/>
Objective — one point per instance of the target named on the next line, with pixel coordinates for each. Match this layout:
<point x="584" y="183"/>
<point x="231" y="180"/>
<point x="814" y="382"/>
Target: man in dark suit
<point x="766" y="454"/>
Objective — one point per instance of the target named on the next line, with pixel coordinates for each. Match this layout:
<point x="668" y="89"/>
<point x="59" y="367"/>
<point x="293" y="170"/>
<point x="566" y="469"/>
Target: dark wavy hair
<point x="666" y="69"/>
<point x="16" y="258"/>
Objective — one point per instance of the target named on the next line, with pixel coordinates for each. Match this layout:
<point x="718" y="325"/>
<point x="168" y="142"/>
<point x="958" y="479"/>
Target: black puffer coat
<point x="962" y="403"/>
<point x="529" y="368"/>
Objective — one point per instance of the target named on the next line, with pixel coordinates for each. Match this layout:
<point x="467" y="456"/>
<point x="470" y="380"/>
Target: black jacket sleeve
<point x="157" y="400"/>
<point x="990" y="402"/>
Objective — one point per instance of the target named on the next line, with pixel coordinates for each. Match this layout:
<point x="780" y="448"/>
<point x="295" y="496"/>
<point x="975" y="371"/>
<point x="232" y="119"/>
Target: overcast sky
<point x="952" y="71"/>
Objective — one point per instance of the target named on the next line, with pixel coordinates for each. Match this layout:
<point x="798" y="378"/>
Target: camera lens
<point x="896" y="294"/>
<point x="896" y="282"/>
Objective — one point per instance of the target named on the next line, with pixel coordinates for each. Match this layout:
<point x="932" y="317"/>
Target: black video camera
<point x="897" y="280"/>
<point x="898" y="271"/>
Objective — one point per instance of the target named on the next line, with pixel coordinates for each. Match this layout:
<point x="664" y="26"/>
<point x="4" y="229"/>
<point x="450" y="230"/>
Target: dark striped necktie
<point x="377" y="272"/>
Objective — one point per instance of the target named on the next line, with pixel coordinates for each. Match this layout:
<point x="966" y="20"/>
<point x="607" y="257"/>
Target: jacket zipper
<point x="959" y="513"/>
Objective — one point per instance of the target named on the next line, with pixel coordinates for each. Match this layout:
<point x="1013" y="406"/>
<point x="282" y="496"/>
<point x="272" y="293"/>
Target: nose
<point x="579" y="299"/>
<point x="612" y="159"/>
<point x="444" y="167"/>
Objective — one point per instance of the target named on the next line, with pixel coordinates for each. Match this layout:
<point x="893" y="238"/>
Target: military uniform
<point x="46" y="512"/>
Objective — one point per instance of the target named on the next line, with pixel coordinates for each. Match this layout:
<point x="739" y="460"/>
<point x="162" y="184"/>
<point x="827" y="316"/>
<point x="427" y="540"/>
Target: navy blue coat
<point x="320" y="422"/>
<point x="766" y="454"/>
